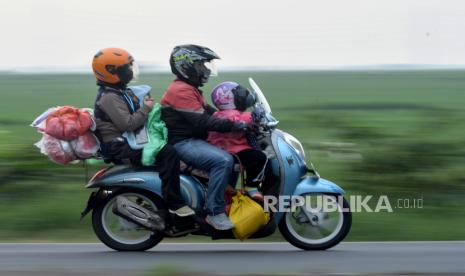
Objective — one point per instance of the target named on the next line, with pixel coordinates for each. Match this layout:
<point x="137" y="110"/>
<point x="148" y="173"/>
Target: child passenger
<point x="232" y="100"/>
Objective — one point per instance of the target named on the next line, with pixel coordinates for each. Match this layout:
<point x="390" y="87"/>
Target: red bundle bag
<point x="68" y="123"/>
<point x="86" y="145"/>
<point x="58" y="151"/>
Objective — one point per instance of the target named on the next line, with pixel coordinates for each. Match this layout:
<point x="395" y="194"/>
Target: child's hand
<point x="253" y="128"/>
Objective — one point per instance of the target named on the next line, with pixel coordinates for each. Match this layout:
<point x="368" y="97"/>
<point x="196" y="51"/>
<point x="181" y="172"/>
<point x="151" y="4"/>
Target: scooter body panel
<point x="293" y="171"/>
<point x="147" y="178"/>
<point x="291" y="166"/>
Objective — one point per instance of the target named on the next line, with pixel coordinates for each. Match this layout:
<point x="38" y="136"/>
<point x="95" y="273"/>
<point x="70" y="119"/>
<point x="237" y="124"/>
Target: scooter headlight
<point x="293" y="142"/>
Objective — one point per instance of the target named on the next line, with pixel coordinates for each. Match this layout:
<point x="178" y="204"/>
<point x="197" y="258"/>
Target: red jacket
<point x="232" y="142"/>
<point x="187" y="115"/>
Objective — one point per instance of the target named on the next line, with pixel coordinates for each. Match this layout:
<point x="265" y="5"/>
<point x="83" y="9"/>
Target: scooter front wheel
<point x="323" y="222"/>
<point x="119" y="233"/>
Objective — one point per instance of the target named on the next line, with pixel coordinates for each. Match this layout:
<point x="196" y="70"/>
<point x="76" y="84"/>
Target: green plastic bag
<point x="157" y="134"/>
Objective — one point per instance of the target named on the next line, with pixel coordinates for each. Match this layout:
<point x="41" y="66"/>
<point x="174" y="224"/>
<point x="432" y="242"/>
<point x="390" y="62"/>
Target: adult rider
<point x="188" y="119"/>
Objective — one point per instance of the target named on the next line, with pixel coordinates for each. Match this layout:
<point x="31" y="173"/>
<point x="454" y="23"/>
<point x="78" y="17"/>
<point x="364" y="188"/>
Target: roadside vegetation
<point x="394" y="133"/>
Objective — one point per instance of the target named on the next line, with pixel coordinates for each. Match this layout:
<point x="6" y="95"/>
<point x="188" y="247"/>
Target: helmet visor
<point x="211" y="66"/>
<point x="134" y="66"/>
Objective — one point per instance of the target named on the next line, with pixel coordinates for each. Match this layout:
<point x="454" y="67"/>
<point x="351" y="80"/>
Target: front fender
<point x="313" y="184"/>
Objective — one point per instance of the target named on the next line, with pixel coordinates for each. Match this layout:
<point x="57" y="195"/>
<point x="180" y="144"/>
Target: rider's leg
<point x="201" y="155"/>
<point x="167" y="163"/>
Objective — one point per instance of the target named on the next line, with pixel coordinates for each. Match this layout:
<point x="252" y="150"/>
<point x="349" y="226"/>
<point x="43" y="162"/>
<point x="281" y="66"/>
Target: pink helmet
<point x="222" y="95"/>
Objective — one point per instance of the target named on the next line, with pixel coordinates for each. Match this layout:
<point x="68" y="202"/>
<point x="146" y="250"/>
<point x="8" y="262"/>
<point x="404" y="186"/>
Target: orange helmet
<point x="108" y="62"/>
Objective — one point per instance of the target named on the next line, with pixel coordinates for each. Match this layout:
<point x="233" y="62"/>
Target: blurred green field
<point x="395" y="133"/>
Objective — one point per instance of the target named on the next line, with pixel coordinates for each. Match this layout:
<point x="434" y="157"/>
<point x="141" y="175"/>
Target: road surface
<point x="354" y="258"/>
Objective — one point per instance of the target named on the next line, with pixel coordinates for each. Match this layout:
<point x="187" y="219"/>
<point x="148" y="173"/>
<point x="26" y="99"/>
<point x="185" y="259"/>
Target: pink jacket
<point x="232" y="142"/>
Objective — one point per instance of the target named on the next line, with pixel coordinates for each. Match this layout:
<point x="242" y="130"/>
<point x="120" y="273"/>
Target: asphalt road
<point x="234" y="258"/>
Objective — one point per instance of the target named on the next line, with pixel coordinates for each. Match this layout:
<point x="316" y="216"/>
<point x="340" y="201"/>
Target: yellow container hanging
<point x="247" y="216"/>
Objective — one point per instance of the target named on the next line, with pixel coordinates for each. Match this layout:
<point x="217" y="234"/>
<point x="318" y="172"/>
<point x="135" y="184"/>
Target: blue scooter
<point x="129" y="213"/>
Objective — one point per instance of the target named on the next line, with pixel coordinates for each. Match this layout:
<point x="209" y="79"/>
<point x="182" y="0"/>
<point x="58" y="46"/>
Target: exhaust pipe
<point x="138" y="214"/>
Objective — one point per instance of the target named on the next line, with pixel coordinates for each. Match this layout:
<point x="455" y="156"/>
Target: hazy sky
<point x="268" y="33"/>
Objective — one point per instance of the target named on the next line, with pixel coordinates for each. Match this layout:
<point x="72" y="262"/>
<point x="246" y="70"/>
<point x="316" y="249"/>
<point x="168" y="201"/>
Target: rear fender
<point x="95" y="199"/>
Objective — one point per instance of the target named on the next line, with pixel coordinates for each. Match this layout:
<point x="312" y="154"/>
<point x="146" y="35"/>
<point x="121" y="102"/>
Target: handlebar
<point x="262" y="118"/>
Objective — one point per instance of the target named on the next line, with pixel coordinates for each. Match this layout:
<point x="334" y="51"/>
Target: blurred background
<point x="373" y="89"/>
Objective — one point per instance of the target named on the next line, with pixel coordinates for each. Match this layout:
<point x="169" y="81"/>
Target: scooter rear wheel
<point x="120" y="234"/>
<point x="326" y="229"/>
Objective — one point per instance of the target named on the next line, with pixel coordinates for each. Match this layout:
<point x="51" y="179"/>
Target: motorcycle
<point x="129" y="213"/>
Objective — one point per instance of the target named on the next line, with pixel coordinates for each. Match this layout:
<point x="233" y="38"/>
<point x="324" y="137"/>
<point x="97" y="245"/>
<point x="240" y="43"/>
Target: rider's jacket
<point x="117" y="111"/>
<point x="187" y="115"/>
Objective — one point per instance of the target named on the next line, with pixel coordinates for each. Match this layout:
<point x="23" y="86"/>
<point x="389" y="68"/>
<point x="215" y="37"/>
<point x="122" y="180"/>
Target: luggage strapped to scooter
<point x="247" y="215"/>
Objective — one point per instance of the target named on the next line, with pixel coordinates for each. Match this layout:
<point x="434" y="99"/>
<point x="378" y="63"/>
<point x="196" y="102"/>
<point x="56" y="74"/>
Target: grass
<point x="398" y="133"/>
